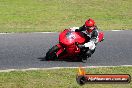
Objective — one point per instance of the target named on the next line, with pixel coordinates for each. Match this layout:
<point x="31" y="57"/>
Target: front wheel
<point x="51" y="54"/>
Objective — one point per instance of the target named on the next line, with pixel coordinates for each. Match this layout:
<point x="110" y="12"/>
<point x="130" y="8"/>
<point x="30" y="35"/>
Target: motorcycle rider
<point x="91" y="30"/>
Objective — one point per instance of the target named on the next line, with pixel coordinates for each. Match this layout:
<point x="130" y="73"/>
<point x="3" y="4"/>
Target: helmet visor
<point x="89" y="27"/>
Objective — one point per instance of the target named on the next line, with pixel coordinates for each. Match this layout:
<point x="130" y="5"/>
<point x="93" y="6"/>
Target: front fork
<point x="61" y="49"/>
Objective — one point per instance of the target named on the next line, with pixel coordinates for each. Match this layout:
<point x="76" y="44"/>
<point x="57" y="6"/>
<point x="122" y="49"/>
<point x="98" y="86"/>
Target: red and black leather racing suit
<point x="92" y="35"/>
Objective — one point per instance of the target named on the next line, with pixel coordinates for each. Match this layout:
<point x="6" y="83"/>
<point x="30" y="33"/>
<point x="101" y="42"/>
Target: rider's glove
<point x="94" y="39"/>
<point x="90" y="45"/>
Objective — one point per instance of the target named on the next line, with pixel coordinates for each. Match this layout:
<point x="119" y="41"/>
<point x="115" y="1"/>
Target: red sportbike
<point x="69" y="46"/>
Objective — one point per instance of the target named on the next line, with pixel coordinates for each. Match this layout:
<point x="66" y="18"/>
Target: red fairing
<point x="67" y="40"/>
<point x="68" y="37"/>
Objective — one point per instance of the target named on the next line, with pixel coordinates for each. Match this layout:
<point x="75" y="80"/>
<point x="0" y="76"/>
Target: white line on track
<point x="28" y="32"/>
<point x="53" y="68"/>
<point x="48" y="32"/>
<point x="45" y="32"/>
<point x="4" y="33"/>
<point x="116" y="30"/>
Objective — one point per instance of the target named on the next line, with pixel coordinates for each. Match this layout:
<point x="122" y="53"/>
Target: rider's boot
<point x="88" y="53"/>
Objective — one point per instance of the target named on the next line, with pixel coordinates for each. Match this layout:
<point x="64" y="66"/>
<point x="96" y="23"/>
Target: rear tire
<point x="51" y="54"/>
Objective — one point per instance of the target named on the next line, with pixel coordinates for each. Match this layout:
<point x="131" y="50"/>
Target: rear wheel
<point x="51" y="54"/>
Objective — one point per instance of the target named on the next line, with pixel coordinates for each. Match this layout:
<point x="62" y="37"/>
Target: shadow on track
<point x="67" y="59"/>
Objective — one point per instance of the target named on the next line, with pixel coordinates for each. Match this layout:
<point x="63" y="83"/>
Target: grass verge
<point x="59" y="78"/>
<point x="56" y="15"/>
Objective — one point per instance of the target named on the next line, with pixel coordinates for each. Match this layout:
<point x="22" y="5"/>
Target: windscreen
<point x="70" y="35"/>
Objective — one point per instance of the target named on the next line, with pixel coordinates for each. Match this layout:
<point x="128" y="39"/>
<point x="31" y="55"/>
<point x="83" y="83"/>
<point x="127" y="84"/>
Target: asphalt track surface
<point x="26" y="50"/>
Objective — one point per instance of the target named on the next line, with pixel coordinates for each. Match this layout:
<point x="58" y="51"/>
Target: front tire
<point x="51" y="54"/>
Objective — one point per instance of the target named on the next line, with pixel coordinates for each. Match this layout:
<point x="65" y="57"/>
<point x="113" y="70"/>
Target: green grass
<point x="56" y="15"/>
<point x="59" y="78"/>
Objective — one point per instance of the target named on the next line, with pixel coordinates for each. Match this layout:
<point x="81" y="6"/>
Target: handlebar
<point x="79" y="45"/>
